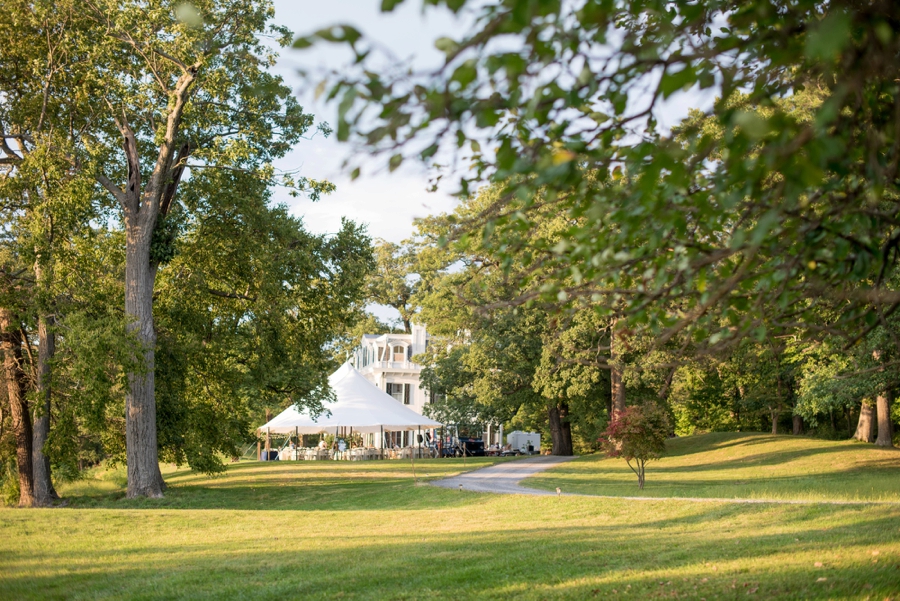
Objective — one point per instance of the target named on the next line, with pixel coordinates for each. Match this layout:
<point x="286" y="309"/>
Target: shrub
<point x="9" y="482"/>
<point x="637" y="434"/>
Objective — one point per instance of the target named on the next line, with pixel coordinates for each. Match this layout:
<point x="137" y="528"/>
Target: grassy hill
<point x="325" y="530"/>
<point x="735" y="465"/>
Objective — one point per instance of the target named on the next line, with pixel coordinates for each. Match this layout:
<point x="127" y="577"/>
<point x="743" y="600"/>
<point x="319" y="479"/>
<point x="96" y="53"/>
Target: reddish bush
<point x="637" y="434"/>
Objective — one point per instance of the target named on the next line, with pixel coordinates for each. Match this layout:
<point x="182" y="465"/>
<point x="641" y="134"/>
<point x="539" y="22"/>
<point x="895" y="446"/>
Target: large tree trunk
<point x="885" y="428"/>
<point x="142" y="206"/>
<point x="616" y="385"/>
<point x="866" y="425"/>
<point x="774" y="412"/>
<point x="44" y="493"/>
<point x="798" y="425"/>
<point x="560" y="430"/>
<point x="142" y="455"/>
<point x="14" y="378"/>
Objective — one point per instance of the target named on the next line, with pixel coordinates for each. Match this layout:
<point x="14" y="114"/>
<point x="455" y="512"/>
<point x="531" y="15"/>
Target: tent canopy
<point x="360" y="405"/>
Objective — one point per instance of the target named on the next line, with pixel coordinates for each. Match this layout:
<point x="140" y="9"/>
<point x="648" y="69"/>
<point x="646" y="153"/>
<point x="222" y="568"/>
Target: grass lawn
<point x="323" y="530"/>
<point x="735" y="465"/>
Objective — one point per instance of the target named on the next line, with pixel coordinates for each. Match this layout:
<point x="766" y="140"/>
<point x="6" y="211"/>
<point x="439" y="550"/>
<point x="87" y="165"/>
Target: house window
<point x="401" y="392"/>
<point x="434" y="397"/>
<point x="399" y="353"/>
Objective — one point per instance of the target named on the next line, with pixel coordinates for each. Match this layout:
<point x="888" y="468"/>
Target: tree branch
<point x="113" y="189"/>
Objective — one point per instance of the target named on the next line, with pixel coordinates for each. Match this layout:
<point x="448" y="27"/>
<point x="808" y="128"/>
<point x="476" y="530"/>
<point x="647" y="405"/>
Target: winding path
<point x="504" y="478"/>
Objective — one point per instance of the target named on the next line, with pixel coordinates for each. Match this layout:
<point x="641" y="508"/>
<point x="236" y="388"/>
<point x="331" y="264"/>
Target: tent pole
<point x="382" y="442"/>
<point x="412" y="461"/>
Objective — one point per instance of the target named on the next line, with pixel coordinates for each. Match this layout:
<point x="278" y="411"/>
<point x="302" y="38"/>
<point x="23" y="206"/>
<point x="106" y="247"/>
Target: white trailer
<point x="526" y="442"/>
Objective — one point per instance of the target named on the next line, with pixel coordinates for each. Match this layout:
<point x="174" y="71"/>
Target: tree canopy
<point x="777" y="198"/>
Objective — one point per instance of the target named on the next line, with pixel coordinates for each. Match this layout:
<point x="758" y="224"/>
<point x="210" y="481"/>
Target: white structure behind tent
<point x="386" y="361"/>
<point x="523" y="440"/>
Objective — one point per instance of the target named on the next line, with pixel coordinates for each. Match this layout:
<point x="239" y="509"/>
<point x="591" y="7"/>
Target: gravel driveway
<point x="504" y="477"/>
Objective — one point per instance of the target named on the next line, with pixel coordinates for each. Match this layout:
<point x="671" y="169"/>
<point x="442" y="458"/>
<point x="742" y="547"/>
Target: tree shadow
<point x="555" y="554"/>
<point x="296" y="486"/>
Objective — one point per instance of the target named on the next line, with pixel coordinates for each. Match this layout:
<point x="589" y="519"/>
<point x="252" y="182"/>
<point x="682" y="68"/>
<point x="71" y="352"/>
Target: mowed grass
<point x="734" y="465"/>
<point x="325" y="530"/>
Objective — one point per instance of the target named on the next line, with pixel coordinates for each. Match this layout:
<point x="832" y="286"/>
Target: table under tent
<point x="362" y="420"/>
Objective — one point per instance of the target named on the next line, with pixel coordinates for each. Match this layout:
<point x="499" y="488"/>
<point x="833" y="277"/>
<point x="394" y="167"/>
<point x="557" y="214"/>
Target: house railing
<point x="392" y="365"/>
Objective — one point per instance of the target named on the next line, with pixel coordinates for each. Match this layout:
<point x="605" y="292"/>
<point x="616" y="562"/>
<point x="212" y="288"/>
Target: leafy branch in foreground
<point x="777" y="202"/>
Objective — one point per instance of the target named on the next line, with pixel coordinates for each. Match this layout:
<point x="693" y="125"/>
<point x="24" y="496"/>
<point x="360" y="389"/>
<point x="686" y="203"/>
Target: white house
<point x="386" y="361"/>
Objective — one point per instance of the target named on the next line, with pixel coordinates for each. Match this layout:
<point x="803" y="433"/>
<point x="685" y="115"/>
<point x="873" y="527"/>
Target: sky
<point x="386" y="202"/>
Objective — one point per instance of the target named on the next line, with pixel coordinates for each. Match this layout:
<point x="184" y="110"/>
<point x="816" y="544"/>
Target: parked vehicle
<point x="470" y="447"/>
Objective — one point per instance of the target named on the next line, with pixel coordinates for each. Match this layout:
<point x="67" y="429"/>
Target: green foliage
<point x="498" y="362"/>
<point x="775" y="204"/>
<point x="246" y="314"/>
<point x="9" y="480"/>
<point x="342" y="347"/>
<point x="394" y="281"/>
<point x="247" y="302"/>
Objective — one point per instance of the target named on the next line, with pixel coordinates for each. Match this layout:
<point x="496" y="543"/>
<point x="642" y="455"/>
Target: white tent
<point x="360" y="405"/>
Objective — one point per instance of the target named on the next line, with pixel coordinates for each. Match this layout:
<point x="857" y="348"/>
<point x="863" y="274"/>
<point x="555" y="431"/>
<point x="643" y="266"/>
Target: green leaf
<point x="465" y="73"/>
<point x="764" y="226"/>
<point x="752" y="124"/>
<point x="429" y="152"/>
<point x="395" y="161"/>
<point x="339" y="33"/>
<point x="389" y="5"/>
<point x="188" y="14"/>
<point x="446" y="45"/>
<point x="674" y="82"/>
<point x="827" y="40"/>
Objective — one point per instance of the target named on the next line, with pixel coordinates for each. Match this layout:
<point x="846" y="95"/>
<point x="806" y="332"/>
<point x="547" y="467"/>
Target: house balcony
<point x="407" y="366"/>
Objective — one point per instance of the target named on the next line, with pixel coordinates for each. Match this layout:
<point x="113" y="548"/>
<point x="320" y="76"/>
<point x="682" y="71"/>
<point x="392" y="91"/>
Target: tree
<point x="346" y="342"/>
<point x="394" y="282"/>
<point x="637" y="434"/>
<point x="44" y="198"/>
<point x="833" y="378"/>
<point x="505" y="363"/>
<point x="186" y="88"/>
<point x="11" y="346"/>
<point x="248" y="308"/>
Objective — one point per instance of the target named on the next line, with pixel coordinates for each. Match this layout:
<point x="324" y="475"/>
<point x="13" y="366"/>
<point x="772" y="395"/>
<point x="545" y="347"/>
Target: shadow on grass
<point x="299" y="486"/>
<point x="687" y="556"/>
<point x="890" y="458"/>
